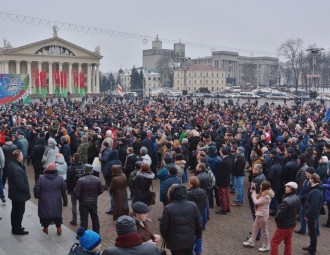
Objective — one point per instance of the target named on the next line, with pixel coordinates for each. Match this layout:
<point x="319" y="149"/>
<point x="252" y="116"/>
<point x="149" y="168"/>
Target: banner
<point x="13" y="87"/>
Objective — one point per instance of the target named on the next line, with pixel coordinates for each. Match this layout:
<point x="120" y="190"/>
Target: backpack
<point x="211" y="177"/>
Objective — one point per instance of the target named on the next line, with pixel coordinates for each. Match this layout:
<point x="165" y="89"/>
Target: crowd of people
<point x="199" y="150"/>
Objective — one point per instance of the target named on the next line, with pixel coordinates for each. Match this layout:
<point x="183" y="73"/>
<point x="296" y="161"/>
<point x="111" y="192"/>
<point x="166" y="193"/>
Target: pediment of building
<point x="54" y="46"/>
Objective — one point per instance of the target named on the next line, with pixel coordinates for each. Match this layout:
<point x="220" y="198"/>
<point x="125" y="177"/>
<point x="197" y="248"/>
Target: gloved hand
<point x="198" y="247"/>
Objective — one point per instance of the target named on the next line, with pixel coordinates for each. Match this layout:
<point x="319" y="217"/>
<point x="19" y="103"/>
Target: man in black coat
<point x="65" y="150"/>
<point x="238" y="174"/>
<point x="291" y="168"/>
<point x="180" y="225"/>
<point x="275" y="177"/>
<point x="19" y="192"/>
<point x="222" y="181"/>
<point x="130" y="161"/>
<point x="36" y="157"/>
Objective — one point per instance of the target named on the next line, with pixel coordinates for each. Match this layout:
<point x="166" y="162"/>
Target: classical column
<point x="1" y="71"/>
<point x="79" y="70"/>
<point x="70" y="78"/>
<point x="6" y="63"/>
<point x="60" y="65"/>
<point x="50" y="78"/>
<point x="30" y="75"/>
<point x="18" y="66"/>
<point x="97" y="89"/>
<point x="88" y="78"/>
<point x="93" y="79"/>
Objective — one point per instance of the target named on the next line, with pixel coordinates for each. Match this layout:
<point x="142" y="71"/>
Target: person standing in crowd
<point x="83" y="149"/>
<point x="89" y="241"/>
<point x="105" y="156"/>
<point x="312" y="206"/>
<point x="261" y="203"/>
<point x="23" y="145"/>
<point x="213" y="161"/>
<point x="49" y="190"/>
<point x="275" y="177"/>
<point x="93" y="149"/>
<point x="222" y="181"/>
<point x="322" y="169"/>
<point x="141" y="184"/>
<point x="327" y="199"/>
<point x="8" y="149"/>
<point x="144" y="156"/>
<point x="238" y="174"/>
<point x="286" y="220"/>
<point x="36" y="157"/>
<point x="291" y="168"/>
<point x="140" y="214"/>
<point x="87" y="190"/>
<point x="18" y="192"/>
<point x="119" y="193"/>
<point x="75" y="171"/>
<point x="130" y="161"/>
<point x="49" y="155"/>
<point x="65" y="150"/>
<point x="171" y="179"/>
<point x="197" y="195"/>
<point x="180" y="238"/>
<point x="2" y="164"/>
<point x="128" y="241"/>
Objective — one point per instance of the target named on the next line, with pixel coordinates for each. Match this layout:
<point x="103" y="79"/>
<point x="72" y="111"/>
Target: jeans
<point x="274" y="205"/>
<point x="312" y="234"/>
<point x="238" y="180"/>
<point x="74" y="207"/>
<point x="302" y="220"/>
<point x="185" y="176"/>
<point x="278" y="237"/>
<point x="16" y="217"/>
<point x="1" y="186"/>
<point x="91" y="209"/>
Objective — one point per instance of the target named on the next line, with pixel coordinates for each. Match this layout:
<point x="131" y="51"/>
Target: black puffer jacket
<point x="141" y="186"/>
<point x="180" y="225"/>
<point x="88" y="188"/>
<point x="239" y="166"/>
<point x="275" y="174"/>
<point x="37" y="153"/>
<point x="314" y="201"/>
<point x="222" y="176"/>
<point x="287" y="211"/>
<point x="290" y="171"/>
<point x="75" y="171"/>
<point x="198" y="196"/>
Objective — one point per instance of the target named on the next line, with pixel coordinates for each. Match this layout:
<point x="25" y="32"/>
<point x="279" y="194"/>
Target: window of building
<point x="207" y="74"/>
<point x="212" y="74"/>
<point x="212" y="88"/>
<point x="222" y="82"/>
<point x="222" y="74"/>
<point x="200" y="82"/>
<point x="217" y="74"/>
<point x="149" y="78"/>
<point x="177" y="88"/>
<point x="217" y="81"/>
<point x="189" y="81"/>
<point x="178" y="82"/>
<point x="195" y="74"/>
<point x="212" y="81"/>
<point x="178" y="75"/>
<point x="206" y="81"/>
<point x="194" y="88"/>
<point x="188" y="88"/>
<point x="154" y="78"/>
<point x="195" y="82"/>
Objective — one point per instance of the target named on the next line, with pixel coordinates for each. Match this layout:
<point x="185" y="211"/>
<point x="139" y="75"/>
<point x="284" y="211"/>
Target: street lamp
<point x="314" y="52"/>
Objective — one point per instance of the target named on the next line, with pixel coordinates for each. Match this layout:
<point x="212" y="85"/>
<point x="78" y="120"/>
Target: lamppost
<point x="314" y="52"/>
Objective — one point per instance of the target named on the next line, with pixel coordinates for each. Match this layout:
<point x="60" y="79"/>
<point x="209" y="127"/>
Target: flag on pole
<point x="120" y="90"/>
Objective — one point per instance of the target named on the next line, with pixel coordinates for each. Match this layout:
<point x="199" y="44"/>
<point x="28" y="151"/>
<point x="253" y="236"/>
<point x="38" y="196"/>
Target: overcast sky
<point x="260" y="25"/>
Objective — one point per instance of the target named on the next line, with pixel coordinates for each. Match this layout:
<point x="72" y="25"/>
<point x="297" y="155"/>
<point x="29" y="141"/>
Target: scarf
<point x="128" y="240"/>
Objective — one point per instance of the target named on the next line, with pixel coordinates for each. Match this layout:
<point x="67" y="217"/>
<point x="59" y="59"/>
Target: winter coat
<point x="65" y="150"/>
<point x="327" y="191"/>
<point x="49" y="189"/>
<point x="180" y="167"/>
<point x="143" y="228"/>
<point x="61" y="166"/>
<point x="322" y="172"/>
<point x="18" y="184"/>
<point x="75" y="171"/>
<point x="199" y="197"/>
<point x="87" y="189"/>
<point x="8" y="149"/>
<point x="105" y="158"/>
<point x="275" y="174"/>
<point x="301" y="176"/>
<point x="24" y="146"/>
<point x="239" y="166"/>
<point x="82" y="151"/>
<point x="287" y="211"/>
<point x="49" y="155"/>
<point x="161" y="144"/>
<point x="303" y="192"/>
<point x="204" y="180"/>
<point x="37" y="153"/>
<point x="130" y="164"/>
<point x="141" y="184"/>
<point x="162" y="176"/>
<point x="172" y="179"/>
<point x="222" y="176"/>
<point x="119" y="198"/>
<point x="131" y="244"/>
<point x="180" y="224"/>
<point x="213" y="162"/>
<point x="2" y="159"/>
<point x="94" y="149"/>
<point x="146" y="142"/>
<point x="257" y="180"/>
<point x="314" y="202"/>
<point x="290" y="171"/>
<point x="262" y="202"/>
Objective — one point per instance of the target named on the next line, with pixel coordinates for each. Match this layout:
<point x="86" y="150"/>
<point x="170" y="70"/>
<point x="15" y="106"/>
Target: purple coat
<point x="49" y="189"/>
<point x="327" y="191"/>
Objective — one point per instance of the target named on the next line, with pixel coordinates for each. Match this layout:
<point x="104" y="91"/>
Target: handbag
<point x="76" y="249"/>
<point x="152" y="199"/>
<point x="322" y="210"/>
<point x="162" y="249"/>
<point x="96" y="164"/>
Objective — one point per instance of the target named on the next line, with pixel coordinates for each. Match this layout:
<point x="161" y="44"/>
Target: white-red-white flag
<point x="120" y="90"/>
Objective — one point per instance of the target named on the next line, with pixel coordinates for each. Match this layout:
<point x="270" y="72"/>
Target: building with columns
<point x="64" y="65"/>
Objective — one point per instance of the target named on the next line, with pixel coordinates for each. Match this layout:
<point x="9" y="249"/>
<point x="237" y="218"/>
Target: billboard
<point x="14" y="87"/>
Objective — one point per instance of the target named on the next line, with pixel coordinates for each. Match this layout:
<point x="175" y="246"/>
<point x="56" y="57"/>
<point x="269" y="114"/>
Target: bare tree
<point x="165" y="67"/>
<point x="290" y="50"/>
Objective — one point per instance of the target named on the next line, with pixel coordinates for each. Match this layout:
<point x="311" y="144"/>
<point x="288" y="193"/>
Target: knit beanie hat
<point x="88" y="239"/>
<point x="88" y="168"/>
<point x="125" y="224"/>
<point x="240" y="149"/>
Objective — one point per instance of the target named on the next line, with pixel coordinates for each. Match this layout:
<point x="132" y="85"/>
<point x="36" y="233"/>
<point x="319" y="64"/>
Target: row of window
<point x="201" y="82"/>
<point x="212" y="89"/>
<point x="201" y="74"/>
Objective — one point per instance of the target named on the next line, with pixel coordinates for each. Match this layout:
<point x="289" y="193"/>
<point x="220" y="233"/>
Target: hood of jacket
<point x="268" y="192"/>
<point x="64" y="131"/>
<point x="116" y="170"/>
<point x="41" y="141"/>
<point x="319" y="186"/>
<point x="50" y="174"/>
<point x="60" y="160"/>
<point x="147" y="175"/>
<point x="113" y="155"/>
<point x="178" y="193"/>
